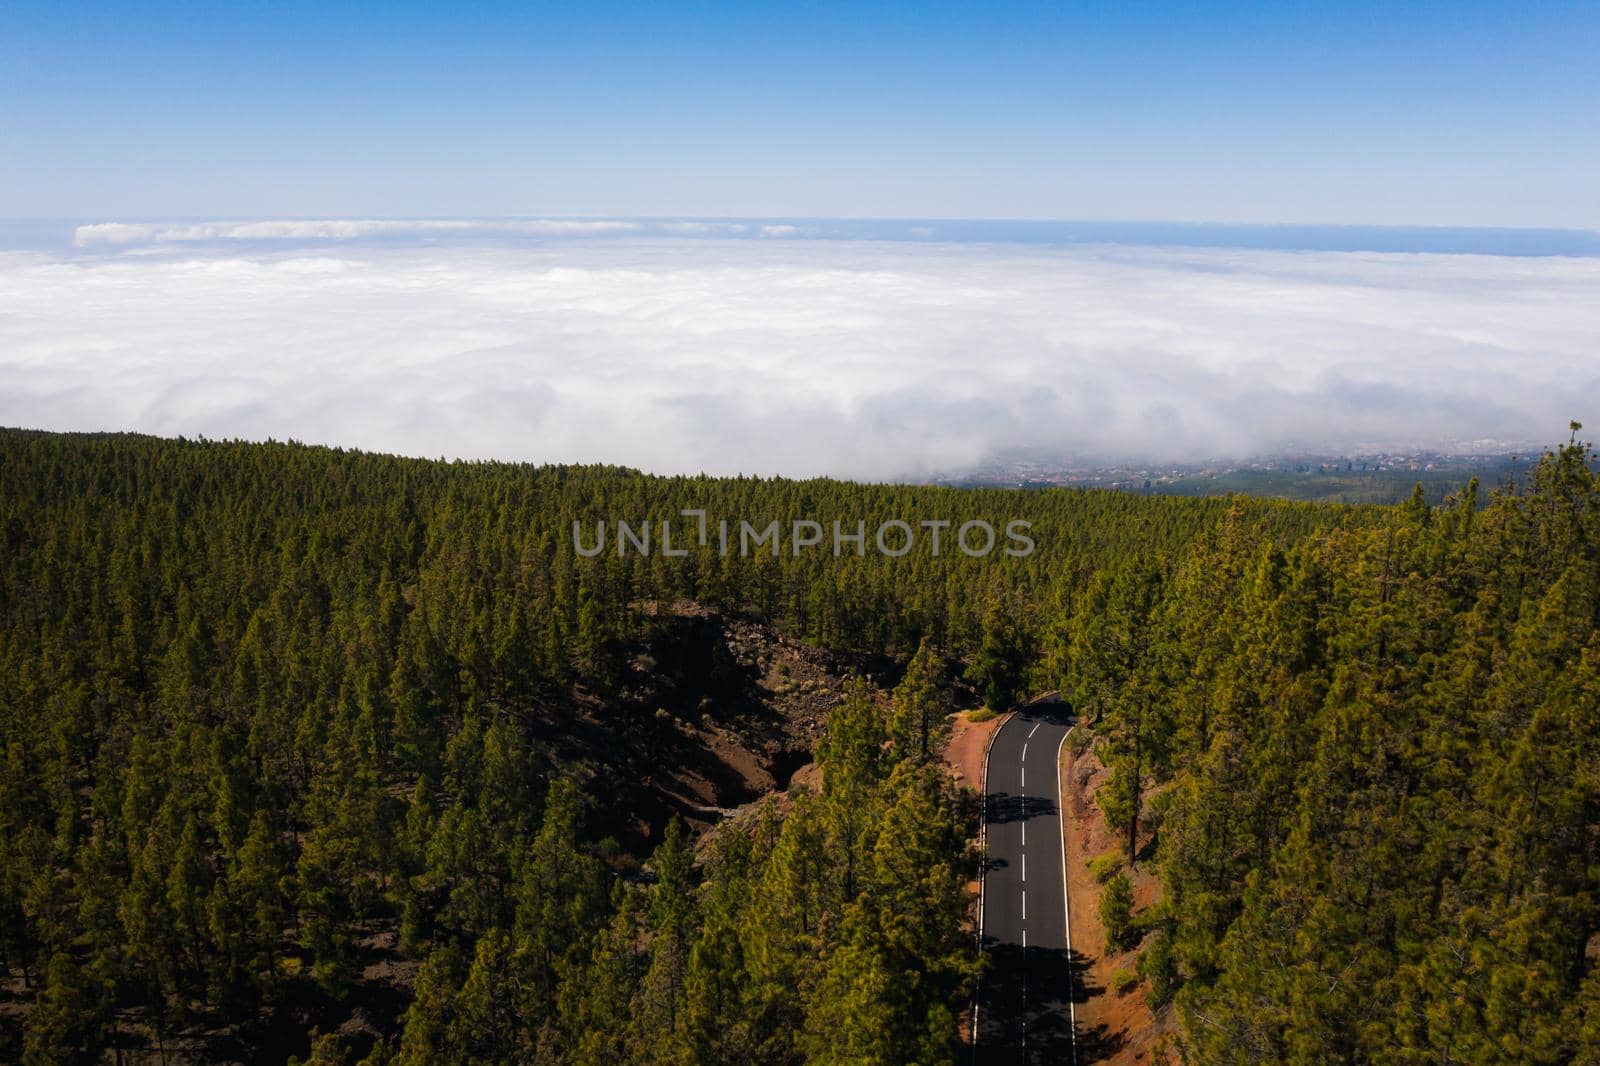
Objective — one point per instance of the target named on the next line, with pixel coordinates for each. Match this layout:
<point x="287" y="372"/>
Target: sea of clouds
<point x="867" y="359"/>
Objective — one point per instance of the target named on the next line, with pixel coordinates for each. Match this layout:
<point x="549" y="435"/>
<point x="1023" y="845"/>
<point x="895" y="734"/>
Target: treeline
<point x="275" y="724"/>
<point x="1366" y="766"/>
<point x="276" y="717"/>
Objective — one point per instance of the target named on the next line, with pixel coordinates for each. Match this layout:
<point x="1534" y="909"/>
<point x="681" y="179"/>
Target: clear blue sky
<point x="1437" y="114"/>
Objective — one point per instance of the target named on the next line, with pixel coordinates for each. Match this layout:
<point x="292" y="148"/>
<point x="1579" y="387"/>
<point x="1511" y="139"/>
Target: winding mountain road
<point x="1025" y="1006"/>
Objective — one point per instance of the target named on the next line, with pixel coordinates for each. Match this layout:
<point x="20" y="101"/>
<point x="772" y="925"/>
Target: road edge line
<point x="1066" y="891"/>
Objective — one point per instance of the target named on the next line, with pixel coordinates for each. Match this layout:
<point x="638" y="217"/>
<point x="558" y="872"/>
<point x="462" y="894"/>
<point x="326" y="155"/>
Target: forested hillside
<point x="292" y="742"/>
<point x="283" y="725"/>
<point x="1367" y="769"/>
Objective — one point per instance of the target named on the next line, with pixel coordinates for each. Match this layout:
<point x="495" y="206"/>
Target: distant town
<point x="1364" y="477"/>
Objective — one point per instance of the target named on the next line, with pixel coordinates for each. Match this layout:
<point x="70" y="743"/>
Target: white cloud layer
<point x="339" y="229"/>
<point x="855" y="359"/>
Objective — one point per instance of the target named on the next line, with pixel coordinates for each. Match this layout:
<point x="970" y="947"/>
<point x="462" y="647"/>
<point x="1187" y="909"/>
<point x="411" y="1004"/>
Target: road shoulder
<point x="1117" y="1029"/>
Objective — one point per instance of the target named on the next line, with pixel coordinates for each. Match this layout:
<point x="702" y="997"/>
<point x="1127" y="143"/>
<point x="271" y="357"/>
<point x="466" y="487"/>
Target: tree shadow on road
<point x="1054" y="713"/>
<point x="1004" y="807"/>
<point x="1023" y="1008"/>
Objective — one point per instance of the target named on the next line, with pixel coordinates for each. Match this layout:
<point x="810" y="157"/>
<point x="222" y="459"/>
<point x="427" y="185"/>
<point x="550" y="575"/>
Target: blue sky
<point x="1447" y="114"/>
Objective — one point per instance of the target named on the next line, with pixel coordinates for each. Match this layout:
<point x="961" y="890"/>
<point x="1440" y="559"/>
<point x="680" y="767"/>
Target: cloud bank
<point x="340" y="229"/>
<point x="860" y="359"/>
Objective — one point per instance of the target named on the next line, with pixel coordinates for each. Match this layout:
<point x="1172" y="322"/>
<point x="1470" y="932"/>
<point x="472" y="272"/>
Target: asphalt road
<point x="1025" y="1004"/>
